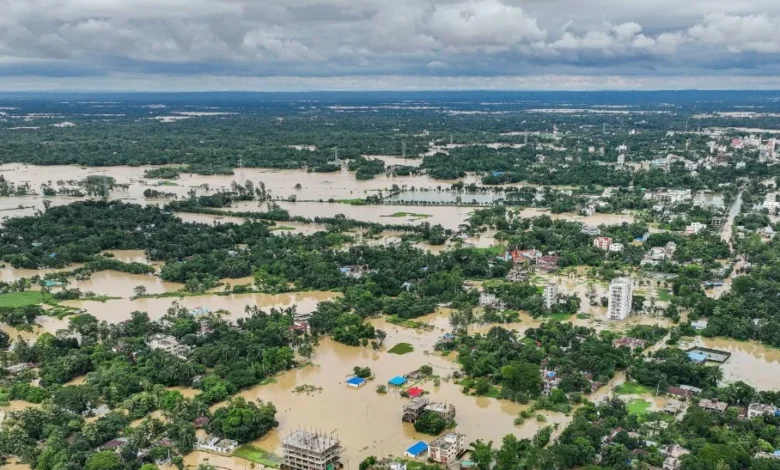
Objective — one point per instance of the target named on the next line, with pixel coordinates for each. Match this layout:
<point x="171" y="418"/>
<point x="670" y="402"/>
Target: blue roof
<point x="697" y="356"/>
<point x="345" y="269"/>
<point x="356" y="381"/>
<point x="418" y="448"/>
<point x="397" y="380"/>
<point x="551" y="373"/>
<point x="777" y="452"/>
<point x="449" y="336"/>
<point x="498" y="173"/>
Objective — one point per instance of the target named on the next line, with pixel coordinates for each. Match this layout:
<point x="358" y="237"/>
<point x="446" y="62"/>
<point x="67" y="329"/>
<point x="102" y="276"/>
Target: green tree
<point x="430" y="423"/>
<point x="105" y="460"/>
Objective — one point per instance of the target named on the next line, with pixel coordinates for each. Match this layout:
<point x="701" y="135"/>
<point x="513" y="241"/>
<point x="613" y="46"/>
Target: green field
<point x="257" y="455"/>
<point x="281" y="227"/>
<point x="664" y="295"/>
<point x="558" y="316"/>
<point x="352" y="202"/>
<point x="638" y="406"/>
<point x="22" y="299"/>
<point x="401" y="348"/>
<point x="632" y="388"/>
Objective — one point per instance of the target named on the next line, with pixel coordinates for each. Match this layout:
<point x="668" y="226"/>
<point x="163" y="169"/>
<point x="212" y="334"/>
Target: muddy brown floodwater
<point x="750" y="362"/>
<point x="118" y="310"/>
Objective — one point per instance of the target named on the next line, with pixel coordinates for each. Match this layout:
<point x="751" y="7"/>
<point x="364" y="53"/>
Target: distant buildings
<point x="217" y="444"/>
<point x="590" y="230"/>
<point x="490" y="300"/>
<point x="695" y="228"/>
<point x="621" y="292"/>
<point x="602" y="243"/>
<point x="550" y="295"/>
<point x="517" y="274"/>
<point x="550" y="380"/>
<point x="759" y="409"/>
<point x="547" y="263"/>
<point x="673" y="454"/>
<point x="631" y="343"/>
<point x="713" y="405"/>
<point x="169" y="344"/>
<point x="415" y="407"/>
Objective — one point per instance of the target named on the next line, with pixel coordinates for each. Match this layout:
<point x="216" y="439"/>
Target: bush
<point x="362" y="372"/>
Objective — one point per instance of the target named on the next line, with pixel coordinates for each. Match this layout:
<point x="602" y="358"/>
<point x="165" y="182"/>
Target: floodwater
<point x="369" y="423"/>
<point x="119" y="284"/>
<point x="129" y="256"/>
<point x="750" y="362"/>
<point x="280" y="183"/>
<point x="447" y="216"/>
<point x="118" y="310"/>
<point x="445" y="197"/>
<point x="595" y="219"/>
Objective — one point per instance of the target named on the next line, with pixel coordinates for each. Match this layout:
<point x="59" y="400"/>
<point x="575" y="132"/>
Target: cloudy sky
<point x="388" y="44"/>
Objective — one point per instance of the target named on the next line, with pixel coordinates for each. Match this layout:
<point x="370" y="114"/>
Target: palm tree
<point x="482" y="453"/>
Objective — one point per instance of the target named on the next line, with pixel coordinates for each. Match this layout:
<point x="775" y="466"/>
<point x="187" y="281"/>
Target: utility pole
<point x="241" y="169"/>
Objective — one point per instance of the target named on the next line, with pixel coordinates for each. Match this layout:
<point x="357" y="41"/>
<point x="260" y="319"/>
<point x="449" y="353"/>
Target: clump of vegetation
<point x="306" y="388"/>
<point x="431" y="423"/>
<point x="362" y="372"/>
<point x="381" y="389"/>
<point x="401" y="348"/>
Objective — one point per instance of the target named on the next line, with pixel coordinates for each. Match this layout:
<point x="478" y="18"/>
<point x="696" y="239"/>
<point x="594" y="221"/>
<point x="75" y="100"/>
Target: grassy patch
<point x="638" y="407"/>
<point x="417" y="325"/>
<point x="408" y="214"/>
<point x="269" y="380"/>
<point x="632" y="388"/>
<point x="584" y="316"/>
<point x="401" y="348"/>
<point x="282" y="227"/>
<point x="558" y="316"/>
<point x="352" y="202"/>
<point x="100" y="298"/>
<point x="257" y="455"/>
<point x="23" y="299"/>
<point x="166" y="183"/>
<point x="664" y="295"/>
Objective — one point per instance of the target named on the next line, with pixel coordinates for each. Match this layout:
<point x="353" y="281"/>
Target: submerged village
<point x="378" y="285"/>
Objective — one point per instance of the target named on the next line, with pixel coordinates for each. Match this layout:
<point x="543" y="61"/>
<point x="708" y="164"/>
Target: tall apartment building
<point x="307" y="450"/>
<point x="550" y="295"/>
<point x="621" y="291"/>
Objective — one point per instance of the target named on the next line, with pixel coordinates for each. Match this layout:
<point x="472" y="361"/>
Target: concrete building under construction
<point x="310" y="450"/>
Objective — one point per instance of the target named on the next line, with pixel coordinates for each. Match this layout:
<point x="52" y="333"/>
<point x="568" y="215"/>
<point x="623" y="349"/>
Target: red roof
<point x="415" y="392"/>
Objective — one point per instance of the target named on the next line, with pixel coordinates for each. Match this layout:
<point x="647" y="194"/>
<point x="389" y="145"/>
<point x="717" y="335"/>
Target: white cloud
<point x="377" y="37"/>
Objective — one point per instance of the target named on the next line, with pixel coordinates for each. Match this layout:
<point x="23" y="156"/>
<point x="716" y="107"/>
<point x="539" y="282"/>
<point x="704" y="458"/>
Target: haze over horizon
<point x="307" y="45"/>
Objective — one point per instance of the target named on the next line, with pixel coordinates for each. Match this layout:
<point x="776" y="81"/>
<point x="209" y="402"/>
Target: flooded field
<point x="750" y="362"/>
<point x="118" y="310"/>
<point x="445" y="197"/>
<point x="448" y="216"/>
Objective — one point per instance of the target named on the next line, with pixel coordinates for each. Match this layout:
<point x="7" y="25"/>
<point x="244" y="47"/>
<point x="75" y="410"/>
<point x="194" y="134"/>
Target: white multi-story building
<point x="602" y="243"/>
<point x="695" y="228"/>
<point x="616" y="247"/>
<point x="550" y="295"/>
<point x="621" y="291"/>
<point x="446" y="448"/>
